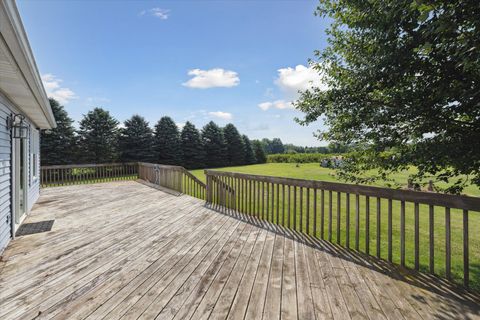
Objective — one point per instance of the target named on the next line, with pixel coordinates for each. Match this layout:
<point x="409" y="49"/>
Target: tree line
<point x="100" y="139"/>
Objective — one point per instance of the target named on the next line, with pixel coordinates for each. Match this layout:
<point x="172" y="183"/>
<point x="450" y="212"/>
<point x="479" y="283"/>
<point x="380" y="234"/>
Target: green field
<point x="315" y="172"/>
<point x="311" y="171"/>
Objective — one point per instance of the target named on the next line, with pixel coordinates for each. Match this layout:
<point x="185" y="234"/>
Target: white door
<point x="20" y="180"/>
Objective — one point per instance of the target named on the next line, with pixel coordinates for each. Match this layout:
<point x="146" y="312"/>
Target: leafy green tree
<point x="98" y="137"/>
<point x="214" y="145"/>
<point x="401" y="83"/>
<point x="58" y="145"/>
<point x="259" y="152"/>
<point x="167" y="146"/>
<point x="273" y="146"/>
<point x="193" y="154"/>
<point x="236" y="151"/>
<point x="136" y="140"/>
<point x="277" y="146"/>
<point x="249" y="153"/>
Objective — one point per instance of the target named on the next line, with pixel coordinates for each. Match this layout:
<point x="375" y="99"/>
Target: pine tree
<point x="214" y="145"/>
<point x="98" y="137"/>
<point x="236" y="151"/>
<point x="249" y="154"/>
<point x="136" y="140"/>
<point x="193" y="156"/>
<point x="167" y="142"/>
<point x="259" y="152"/>
<point x="58" y="145"/>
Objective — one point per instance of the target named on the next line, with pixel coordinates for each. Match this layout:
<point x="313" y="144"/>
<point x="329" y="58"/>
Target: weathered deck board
<point x="125" y="250"/>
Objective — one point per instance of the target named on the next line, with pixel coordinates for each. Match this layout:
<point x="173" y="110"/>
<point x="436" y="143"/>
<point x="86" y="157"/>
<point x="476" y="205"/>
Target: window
<point x="34" y="154"/>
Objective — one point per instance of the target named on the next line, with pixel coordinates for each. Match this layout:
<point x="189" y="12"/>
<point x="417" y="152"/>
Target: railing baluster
<point x="466" y="263"/>
<point x="315" y="212"/>
<point x="347" y="220"/>
<point x="289" y="205"/>
<point x="295" y="208"/>
<point x="283" y="205"/>
<point x="379" y="224"/>
<point x="307" y="217"/>
<point x="448" y="253"/>
<point x="301" y="209"/>
<point x="357" y="222"/>
<point x="273" y="203"/>
<point x="339" y="199"/>
<point x="330" y="209"/>
<point x="417" y="236"/>
<point x="431" y="221"/>
<point x="402" y="233"/>
<point x="322" y="214"/>
<point x="278" y="204"/>
<point x="390" y="231"/>
<point x="367" y="225"/>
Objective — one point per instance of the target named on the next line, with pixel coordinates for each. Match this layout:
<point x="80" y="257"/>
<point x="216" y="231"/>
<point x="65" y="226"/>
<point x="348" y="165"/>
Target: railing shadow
<point x="458" y="300"/>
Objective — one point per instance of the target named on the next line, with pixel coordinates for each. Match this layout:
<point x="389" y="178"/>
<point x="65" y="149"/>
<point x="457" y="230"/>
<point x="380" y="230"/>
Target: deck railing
<point x="86" y="173"/>
<point x="411" y="228"/>
<point x="172" y="177"/>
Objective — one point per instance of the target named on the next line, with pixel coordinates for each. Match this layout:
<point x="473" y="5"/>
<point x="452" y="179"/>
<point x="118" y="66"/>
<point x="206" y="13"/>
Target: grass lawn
<point x="315" y="172"/>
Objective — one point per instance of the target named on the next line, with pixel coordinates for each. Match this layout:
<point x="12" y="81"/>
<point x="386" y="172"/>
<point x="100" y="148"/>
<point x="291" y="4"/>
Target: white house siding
<point x="33" y="147"/>
<point x="5" y="177"/>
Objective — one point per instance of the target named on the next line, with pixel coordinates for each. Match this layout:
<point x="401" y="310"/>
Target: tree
<point x="401" y="83"/>
<point x="214" y="145"/>
<point x="249" y="154"/>
<point x="193" y="155"/>
<point x="259" y="152"/>
<point x="277" y="146"/>
<point x="58" y="145"/>
<point x="167" y="146"/>
<point x="98" y="137"/>
<point x="236" y="151"/>
<point x="136" y="140"/>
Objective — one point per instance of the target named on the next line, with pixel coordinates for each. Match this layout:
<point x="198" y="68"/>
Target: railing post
<point x="208" y="187"/>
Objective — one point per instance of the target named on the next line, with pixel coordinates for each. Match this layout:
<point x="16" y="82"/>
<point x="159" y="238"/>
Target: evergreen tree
<point x="193" y="156"/>
<point x="136" y="140"/>
<point x="214" y="145"/>
<point x="259" y="152"/>
<point x="58" y="145"/>
<point x="249" y="154"/>
<point x="236" y="151"/>
<point x="167" y="142"/>
<point x="98" y="135"/>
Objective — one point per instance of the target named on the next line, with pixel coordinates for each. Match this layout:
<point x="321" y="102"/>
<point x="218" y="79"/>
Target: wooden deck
<point x="125" y="250"/>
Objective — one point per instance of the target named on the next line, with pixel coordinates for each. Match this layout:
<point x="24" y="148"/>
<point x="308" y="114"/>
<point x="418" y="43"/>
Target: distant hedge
<point x="299" y="157"/>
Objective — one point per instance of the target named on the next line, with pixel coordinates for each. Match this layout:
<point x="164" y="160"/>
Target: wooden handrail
<point x="73" y="166"/>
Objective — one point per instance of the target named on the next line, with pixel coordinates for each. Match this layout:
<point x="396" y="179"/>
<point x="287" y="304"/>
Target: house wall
<point x="6" y="192"/>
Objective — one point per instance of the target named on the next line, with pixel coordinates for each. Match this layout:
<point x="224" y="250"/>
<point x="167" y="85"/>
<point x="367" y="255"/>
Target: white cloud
<point x="217" y="77"/>
<point x="54" y="90"/>
<point x="159" y="13"/>
<point x="221" y="115"/>
<point x="300" y="78"/>
<point x="278" y="104"/>
<point x="97" y="100"/>
<point x="180" y="125"/>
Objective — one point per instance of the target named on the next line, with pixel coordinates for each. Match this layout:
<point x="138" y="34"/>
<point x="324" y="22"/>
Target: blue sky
<point x="228" y="61"/>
